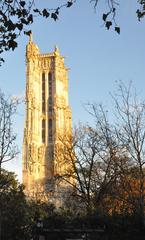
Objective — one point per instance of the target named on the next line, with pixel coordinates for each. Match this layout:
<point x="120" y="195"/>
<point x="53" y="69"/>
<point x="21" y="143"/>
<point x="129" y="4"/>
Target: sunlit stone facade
<point x="48" y="116"/>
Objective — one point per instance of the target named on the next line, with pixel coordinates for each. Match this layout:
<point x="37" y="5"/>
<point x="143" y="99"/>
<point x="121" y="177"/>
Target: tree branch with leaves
<point x="16" y="17"/>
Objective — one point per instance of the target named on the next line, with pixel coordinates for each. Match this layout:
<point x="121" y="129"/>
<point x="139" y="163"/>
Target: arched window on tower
<point x="43" y="92"/>
<point x="43" y="131"/>
<point x="50" y="77"/>
<point x="50" y="90"/>
<point x="50" y="130"/>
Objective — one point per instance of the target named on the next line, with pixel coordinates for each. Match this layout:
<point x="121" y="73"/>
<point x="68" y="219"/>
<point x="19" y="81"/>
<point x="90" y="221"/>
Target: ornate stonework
<point x="48" y="116"/>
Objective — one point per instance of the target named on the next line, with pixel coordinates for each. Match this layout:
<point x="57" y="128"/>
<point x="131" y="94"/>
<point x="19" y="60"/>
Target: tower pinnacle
<point x="30" y="38"/>
<point x="57" y="52"/>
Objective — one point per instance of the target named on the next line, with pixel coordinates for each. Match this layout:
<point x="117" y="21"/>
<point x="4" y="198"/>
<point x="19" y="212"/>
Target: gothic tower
<point x="48" y="116"/>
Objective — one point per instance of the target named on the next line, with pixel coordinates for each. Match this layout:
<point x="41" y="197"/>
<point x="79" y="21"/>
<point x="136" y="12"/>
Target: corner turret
<point x="32" y="49"/>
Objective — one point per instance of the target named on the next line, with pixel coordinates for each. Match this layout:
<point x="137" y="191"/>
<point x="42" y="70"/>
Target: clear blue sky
<point x="96" y="57"/>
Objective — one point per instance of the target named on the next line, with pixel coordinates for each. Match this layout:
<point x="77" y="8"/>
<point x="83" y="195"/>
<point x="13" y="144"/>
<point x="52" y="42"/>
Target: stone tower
<point x="48" y="116"/>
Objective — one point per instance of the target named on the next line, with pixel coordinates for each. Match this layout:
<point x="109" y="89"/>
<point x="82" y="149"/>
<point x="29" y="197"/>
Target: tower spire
<point x="56" y="50"/>
<point x="30" y="37"/>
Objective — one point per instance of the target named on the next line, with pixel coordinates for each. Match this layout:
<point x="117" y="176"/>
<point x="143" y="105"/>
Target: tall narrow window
<point x="50" y="130"/>
<point x="50" y="76"/>
<point x="50" y="87"/>
<point x="43" y="131"/>
<point x="43" y="92"/>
